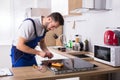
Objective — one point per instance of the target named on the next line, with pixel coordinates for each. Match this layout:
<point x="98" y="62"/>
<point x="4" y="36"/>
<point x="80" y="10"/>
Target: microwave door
<point x="103" y="53"/>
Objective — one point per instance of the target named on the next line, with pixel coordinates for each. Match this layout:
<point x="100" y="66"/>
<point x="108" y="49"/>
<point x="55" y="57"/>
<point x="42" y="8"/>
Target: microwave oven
<point x="107" y="54"/>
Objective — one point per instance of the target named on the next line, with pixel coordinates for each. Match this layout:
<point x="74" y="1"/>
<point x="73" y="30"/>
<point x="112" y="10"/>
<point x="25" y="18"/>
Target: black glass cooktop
<point x="69" y="65"/>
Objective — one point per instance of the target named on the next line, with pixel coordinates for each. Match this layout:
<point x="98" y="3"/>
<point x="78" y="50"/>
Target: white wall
<point x="91" y="25"/>
<point x="5" y="60"/>
<point x="12" y="12"/>
<point x="5" y="22"/>
<point x="19" y="11"/>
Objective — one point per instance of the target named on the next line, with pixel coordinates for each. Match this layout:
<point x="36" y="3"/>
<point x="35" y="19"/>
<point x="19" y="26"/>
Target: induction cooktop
<point x="69" y="65"/>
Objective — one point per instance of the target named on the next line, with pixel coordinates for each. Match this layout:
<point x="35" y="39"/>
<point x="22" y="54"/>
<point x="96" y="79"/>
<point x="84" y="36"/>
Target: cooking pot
<point x="117" y="32"/>
<point x="110" y="38"/>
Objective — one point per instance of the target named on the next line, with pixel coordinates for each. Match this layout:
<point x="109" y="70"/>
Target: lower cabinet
<point x="96" y="77"/>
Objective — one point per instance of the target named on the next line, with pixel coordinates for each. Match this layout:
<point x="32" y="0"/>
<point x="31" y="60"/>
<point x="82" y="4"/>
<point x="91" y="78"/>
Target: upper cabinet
<point x="65" y="6"/>
<point x="37" y="12"/>
<point x="73" y="7"/>
<point x="97" y="4"/>
<point x="77" y="7"/>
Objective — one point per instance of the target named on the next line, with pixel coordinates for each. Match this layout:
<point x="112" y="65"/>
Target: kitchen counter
<point x="31" y="73"/>
<point x="70" y="53"/>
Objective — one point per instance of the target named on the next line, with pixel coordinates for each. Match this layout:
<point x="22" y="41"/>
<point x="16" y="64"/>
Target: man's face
<point x="51" y="24"/>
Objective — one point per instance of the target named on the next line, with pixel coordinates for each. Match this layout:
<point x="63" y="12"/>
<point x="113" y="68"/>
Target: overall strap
<point x="33" y="25"/>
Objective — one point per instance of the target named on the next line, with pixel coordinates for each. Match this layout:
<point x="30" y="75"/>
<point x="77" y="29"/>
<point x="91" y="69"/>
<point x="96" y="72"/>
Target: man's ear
<point x="49" y="19"/>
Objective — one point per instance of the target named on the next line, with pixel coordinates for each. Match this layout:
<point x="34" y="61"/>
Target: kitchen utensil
<point x="117" y="32"/>
<point x="110" y="38"/>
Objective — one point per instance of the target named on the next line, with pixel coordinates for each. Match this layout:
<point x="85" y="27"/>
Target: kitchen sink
<point x="81" y="56"/>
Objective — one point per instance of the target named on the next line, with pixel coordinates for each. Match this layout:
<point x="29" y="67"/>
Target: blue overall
<point x="20" y="58"/>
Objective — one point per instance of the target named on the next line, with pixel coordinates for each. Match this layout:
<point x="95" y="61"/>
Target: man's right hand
<point x="42" y="54"/>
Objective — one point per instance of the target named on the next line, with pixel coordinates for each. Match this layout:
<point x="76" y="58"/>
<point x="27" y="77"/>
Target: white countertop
<point x="56" y="56"/>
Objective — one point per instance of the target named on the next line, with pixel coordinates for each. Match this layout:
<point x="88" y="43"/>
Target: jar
<point x="76" y="46"/>
<point x="77" y="38"/>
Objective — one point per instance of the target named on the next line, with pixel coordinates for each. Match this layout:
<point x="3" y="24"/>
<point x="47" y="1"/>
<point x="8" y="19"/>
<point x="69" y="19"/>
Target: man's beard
<point x="45" y="26"/>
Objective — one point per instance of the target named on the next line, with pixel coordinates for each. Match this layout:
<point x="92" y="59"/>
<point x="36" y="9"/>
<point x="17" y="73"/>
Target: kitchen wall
<point x="12" y="13"/>
<point x="5" y="60"/>
<point x="91" y="25"/>
<point x="5" y="22"/>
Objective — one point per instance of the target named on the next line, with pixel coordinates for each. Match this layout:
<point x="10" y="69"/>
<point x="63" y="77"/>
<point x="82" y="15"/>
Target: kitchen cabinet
<point x="43" y="3"/>
<point x="37" y="12"/>
<point x="65" y="6"/>
<point x="77" y="7"/>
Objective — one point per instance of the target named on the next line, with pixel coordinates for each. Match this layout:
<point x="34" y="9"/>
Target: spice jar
<point x="77" y="38"/>
<point x="76" y="46"/>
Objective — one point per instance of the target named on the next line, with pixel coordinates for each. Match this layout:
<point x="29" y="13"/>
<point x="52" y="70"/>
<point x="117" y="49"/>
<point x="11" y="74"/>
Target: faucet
<point x="62" y="38"/>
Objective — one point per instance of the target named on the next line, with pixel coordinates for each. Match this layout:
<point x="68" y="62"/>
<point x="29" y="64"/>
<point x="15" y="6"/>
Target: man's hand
<point x="49" y="55"/>
<point x="41" y="53"/>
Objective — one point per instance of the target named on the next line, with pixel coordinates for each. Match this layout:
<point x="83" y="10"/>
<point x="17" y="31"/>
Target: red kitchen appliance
<point x="110" y="38"/>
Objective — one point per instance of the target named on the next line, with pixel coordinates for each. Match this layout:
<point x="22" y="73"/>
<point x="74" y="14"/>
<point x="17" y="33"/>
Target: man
<point x="29" y="34"/>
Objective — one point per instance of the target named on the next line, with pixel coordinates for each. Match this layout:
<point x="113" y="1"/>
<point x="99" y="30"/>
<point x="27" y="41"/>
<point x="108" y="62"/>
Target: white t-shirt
<point x="26" y="30"/>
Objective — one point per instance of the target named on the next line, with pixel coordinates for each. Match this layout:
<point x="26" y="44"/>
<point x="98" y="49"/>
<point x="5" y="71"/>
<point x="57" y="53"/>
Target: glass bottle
<point x="70" y="44"/>
<point x="86" y="45"/>
<point x="73" y="47"/>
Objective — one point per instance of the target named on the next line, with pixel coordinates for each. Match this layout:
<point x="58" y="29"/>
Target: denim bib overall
<point x="20" y="58"/>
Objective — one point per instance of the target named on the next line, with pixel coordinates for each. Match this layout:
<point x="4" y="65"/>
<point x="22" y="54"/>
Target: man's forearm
<point x="27" y="49"/>
<point x="43" y="46"/>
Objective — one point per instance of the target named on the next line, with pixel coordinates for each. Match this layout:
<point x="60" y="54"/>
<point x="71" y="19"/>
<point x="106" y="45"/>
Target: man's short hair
<point x="57" y="17"/>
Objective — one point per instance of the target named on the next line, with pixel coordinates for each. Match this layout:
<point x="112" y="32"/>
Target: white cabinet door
<point x="59" y="6"/>
<point x="65" y="6"/>
<point x="43" y="3"/>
